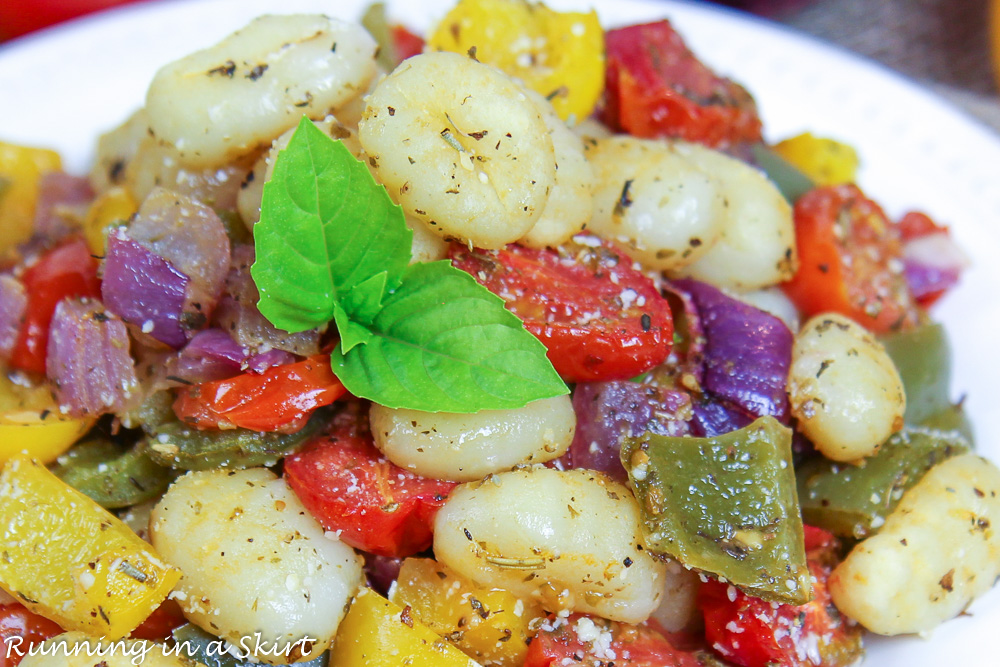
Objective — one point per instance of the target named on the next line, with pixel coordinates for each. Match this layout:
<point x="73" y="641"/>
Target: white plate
<point x="62" y="87"/>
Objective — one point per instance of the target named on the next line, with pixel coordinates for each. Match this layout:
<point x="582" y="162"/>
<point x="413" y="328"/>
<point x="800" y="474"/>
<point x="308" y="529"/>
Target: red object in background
<point x="19" y="17"/>
<point x="17" y="621"/>
<point x="67" y="271"/>
<point x="161" y="623"/>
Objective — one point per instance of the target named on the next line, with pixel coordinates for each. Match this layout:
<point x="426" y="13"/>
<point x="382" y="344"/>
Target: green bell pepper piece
<point x="725" y="505"/>
<point x="190" y="641"/>
<point x="854" y="501"/>
<point x="788" y="178"/>
<point x="180" y="446"/>
<point x="112" y="476"/>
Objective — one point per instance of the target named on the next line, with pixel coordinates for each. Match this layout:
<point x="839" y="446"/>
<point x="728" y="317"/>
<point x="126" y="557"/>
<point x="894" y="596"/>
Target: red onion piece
<point x="211" y="355"/>
<point x="60" y="195"/>
<point x="192" y="238"/>
<point x="144" y="289"/>
<point x="13" y="301"/>
<point x="88" y="359"/>
<point x="258" y="363"/>
<point x="381" y="571"/>
<point x="932" y="264"/>
<point x="748" y="352"/>
<point x="714" y="416"/>
<point x="237" y="313"/>
<point x="607" y="411"/>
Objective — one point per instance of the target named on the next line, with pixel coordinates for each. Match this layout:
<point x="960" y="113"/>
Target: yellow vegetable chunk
<point x="825" y="161"/>
<point x="20" y="169"/>
<point x="68" y="559"/>
<point x="30" y="423"/>
<point x="489" y="624"/>
<point x="558" y="54"/>
<point x="378" y="633"/>
<point x="111" y="207"/>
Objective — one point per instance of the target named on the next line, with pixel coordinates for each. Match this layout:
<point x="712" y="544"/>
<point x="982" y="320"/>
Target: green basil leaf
<point x="325" y="228"/>
<point x="351" y="333"/>
<point x="442" y="342"/>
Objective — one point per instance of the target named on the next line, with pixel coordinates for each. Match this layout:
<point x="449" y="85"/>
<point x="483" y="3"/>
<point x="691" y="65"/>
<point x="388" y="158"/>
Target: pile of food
<point x="514" y="345"/>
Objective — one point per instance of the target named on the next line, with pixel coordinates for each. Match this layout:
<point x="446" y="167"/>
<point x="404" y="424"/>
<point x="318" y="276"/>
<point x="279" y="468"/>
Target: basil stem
<point x="726" y="505"/>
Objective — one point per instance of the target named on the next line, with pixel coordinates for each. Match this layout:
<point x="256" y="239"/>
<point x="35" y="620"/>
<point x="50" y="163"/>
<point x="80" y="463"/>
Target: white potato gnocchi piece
<point x="678" y="608"/>
<point x="115" y="150"/>
<point x="570" y="202"/>
<point x="844" y="389"/>
<point x="938" y="551"/>
<point x="774" y="300"/>
<point x="466" y="447"/>
<point x="231" y="98"/>
<point x="75" y="649"/>
<point x="756" y="248"/>
<point x="474" y="162"/>
<point x="254" y="560"/>
<point x="570" y="539"/>
<point x="426" y="246"/>
<point x="668" y="210"/>
<point x="252" y="188"/>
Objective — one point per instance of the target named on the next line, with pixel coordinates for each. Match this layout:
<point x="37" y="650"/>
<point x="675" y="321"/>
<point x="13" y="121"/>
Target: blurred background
<point x="951" y="46"/>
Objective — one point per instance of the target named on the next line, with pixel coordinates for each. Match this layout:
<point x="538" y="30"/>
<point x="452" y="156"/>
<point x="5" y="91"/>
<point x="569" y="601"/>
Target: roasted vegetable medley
<point x="514" y="343"/>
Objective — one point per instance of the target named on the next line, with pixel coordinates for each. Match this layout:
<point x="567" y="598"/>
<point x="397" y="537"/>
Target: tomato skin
<point x="655" y="87"/>
<point x="161" y="623"/>
<point x="68" y="270"/>
<point x="571" y="299"/>
<point x="280" y="399"/>
<point x="374" y="505"/>
<point x="17" y="621"/>
<point x="633" y="646"/>
<point x="407" y="44"/>
<point x="850" y="260"/>
<point x="750" y="632"/>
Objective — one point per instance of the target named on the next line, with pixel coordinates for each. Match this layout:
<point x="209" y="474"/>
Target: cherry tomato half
<point x="598" y="316"/>
<point x="655" y="87"/>
<point x="21" y="629"/>
<point x="280" y="399"/>
<point x="850" y="260"/>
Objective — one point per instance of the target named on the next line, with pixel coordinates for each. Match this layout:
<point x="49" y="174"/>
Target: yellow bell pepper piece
<point x="111" y="207"/>
<point x="825" y="161"/>
<point x="557" y="54"/>
<point x="70" y="560"/>
<point x="31" y="424"/>
<point x="20" y="169"/>
<point x="378" y="633"/>
<point x="490" y="625"/>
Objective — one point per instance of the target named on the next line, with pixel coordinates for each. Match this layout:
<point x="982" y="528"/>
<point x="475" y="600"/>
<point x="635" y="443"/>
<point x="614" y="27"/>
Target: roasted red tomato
<point x="407" y="44"/>
<point x="591" y="641"/>
<point x="750" y="632"/>
<point x="655" y="87"/>
<point x="19" y="630"/>
<point x="161" y="623"/>
<point x="351" y="489"/>
<point x="66" y="271"/>
<point x="933" y="261"/>
<point x="599" y="317"/>
<point x="280" y="399"/>
<point x="850" y="260"/>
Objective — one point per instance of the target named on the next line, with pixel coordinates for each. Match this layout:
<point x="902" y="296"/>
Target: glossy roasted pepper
<point x="854" y="501"/>
<point x="31" y="424"/>
<point x="489" y="624"/>
<point x="112" y="476"/>
<point x="177" y="445"/>
<point x="791" y="181"/>
<point x="725" y="505"/>
<point x="379" y="633"/>
<point x="21" y="167"/>
<point x="826" y="161"/>
<point x="68" y="559"/>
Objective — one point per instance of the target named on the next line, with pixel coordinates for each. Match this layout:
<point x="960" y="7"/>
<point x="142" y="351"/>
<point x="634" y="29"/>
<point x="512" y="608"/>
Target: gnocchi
<point x="466" y="447"/>
<point x="254" y="560"/>
<point x="567" y="539"/>
<point x="844" y="389"/>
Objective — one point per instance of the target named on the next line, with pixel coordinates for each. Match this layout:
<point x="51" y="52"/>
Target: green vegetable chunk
<point x="854" y="501"/>
<point x="112" y="476"/>
<point x="923" y="358"/>
<point x="789" y="180"/>
<point x="725" y="505"/>
<point x="182" y="447"/>
<point x="193" y="642"/>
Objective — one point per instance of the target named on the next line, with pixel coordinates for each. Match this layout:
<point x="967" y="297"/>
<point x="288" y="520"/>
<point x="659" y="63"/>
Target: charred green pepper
<point x="854" y="501"/>
<point x="788" y="178"/>
<point x="112" y="476"/>
<point x="725" y="505"/>
<point x="190" y="641"/>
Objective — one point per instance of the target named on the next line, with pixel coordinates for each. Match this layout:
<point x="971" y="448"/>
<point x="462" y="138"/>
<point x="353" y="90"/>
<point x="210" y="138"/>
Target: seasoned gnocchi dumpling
<point x="475" y="162"/>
